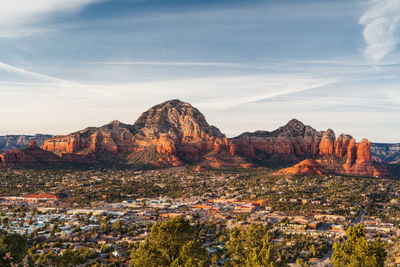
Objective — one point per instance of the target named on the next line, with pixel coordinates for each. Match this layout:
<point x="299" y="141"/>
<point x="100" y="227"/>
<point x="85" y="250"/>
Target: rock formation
<point x="168" y="134"/>
<point x="113" y="138"/>
<point x="341" y="144"/>
<point x="295" y="142"/>
<point x="359" y="160"/>
<point x="288" y="143"/>
<point x="178" y="132"/>
<point x="305" y="167"/>
<point x="327" y="143"/>
<point x="175" y="133"/>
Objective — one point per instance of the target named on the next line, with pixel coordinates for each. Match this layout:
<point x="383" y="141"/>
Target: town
<point x="99" y="216"/>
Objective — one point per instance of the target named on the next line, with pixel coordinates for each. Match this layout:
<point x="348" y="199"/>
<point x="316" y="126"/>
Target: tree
<point x="13" y="248"/>
<point x="252" y="247"/>
<point x="169" y="241"/>
<point x="117" y="226"/>
<point x="357" y="251"/>
<point x="192" y="254"/>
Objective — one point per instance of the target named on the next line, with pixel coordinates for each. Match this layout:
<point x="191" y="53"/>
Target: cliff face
<point x="179" y="132"/>
<point x="175" y="133"/>
<point x="113" y="138"/>
<point x="168" y="134"/>
<point x="11" y="142"/>
<point x="295" y="141"/>
<point x="289" y="143"/>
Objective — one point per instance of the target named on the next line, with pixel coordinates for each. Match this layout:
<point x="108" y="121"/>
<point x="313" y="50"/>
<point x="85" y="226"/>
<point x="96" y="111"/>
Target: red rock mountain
<point x="175" y="133"/>
<point x="295" y="142"/>
<point x="168" y="134"/>
<point x="291" y="142"/>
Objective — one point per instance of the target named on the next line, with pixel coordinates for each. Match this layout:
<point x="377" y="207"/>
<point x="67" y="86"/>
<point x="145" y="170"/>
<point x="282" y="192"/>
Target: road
<point x="326" y="260"/>
<point x="360" y="216"/>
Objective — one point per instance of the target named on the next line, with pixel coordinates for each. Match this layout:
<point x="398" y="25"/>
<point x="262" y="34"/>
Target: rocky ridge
<point x="295" y="142"/>
<point x="175" y="133"/>
<point x="169" y="134"/>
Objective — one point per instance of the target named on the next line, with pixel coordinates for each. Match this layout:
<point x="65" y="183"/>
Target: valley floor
<point x="103" y="214"/>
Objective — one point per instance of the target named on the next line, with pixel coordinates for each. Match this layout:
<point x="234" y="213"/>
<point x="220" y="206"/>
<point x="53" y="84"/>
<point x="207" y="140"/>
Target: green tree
<point x="252" y="247"/>
<point x="169" y="242"/>
<point x="192" y="254"/>
<point x="117" y="226"/>
<point x="13" y="248"/>
<point x="357" y="251"/>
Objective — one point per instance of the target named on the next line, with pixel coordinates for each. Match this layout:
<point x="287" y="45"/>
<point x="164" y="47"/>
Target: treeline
<point x="178" y="243"/>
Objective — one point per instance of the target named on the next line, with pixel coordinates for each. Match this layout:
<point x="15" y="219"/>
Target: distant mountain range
<point x="174" y="133"/>
<point x="386" y="153"/>
<point x="11" y="142"/>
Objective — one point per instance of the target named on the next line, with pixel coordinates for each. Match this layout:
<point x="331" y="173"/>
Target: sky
<point x="246" y="65"/>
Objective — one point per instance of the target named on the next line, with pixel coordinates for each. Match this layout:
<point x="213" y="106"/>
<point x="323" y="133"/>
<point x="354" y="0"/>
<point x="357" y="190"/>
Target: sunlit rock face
<point x="296" y="141"/>
<point x="290" y="142"/>
<point x="175" y="133"/>
<point x="169" y="134"/>
<point x="305" y="167"/>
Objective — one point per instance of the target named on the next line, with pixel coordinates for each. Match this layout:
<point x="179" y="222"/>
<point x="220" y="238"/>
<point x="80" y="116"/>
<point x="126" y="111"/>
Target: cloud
<point x="380" y="21"/>
<point x="34" y="75"/>
<point x="177" y="64"/>
<point x="272" y="87"/>
<point x="17" y="16"/>
<point x="208" y="92"/>
<point x="71" y="86"/>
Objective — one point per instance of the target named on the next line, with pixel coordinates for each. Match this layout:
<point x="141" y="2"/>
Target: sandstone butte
<point x="175" y="133"/>
<point x="296" y="141"/>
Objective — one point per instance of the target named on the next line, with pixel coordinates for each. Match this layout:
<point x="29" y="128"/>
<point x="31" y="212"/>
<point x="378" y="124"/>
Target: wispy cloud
<point x="47" y="79"/>
<point x="241" y="89"/>
<point x="181" y="64"/>
<point x="381" y="21"/>
<point x="17" y="16"/>
<point x="272" y="87"/>
<point x="34" y="75"/>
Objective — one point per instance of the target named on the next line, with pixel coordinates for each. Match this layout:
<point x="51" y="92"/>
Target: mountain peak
<point x="115" y="122"/>
<point x="293" y="128"/>
<point x="295" y="123"/>
<point x="174" y="117"/>
<point x="173" y="102"/>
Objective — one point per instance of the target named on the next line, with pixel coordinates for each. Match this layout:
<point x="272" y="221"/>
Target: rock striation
<point x="169" y="134"/>
<point x="295" y="142"/>
<point x="288" y="143"/>
<point x="175" y="133"/>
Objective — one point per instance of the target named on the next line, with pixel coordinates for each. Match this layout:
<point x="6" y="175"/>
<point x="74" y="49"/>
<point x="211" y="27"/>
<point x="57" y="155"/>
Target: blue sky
<point x="247" y="65"/>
